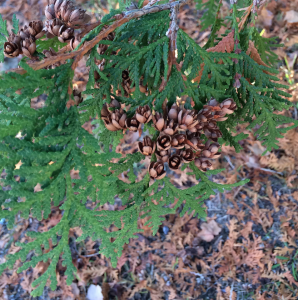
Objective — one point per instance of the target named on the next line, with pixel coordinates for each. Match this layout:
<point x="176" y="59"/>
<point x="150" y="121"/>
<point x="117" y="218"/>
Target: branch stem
<point x="119" y="20"/>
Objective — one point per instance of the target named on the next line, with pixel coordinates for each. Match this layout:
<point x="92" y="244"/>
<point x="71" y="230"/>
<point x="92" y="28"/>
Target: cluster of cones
<point x="62" y="17"/>
<point x="24" y="41"/>
<point x="180" y="132"/>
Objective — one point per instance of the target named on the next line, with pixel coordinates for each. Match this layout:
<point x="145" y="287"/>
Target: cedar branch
<point x="120" y="20"/>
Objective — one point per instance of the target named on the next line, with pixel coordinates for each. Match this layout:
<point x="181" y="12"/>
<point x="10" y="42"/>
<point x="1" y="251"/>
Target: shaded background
<point x="248" y="246"/>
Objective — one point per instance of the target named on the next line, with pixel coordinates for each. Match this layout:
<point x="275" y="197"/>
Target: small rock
<point x="94" y="292"/>
<point x="165" y="230"/>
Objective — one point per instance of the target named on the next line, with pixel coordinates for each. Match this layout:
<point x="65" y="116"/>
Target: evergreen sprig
<point x="41" y="148"/>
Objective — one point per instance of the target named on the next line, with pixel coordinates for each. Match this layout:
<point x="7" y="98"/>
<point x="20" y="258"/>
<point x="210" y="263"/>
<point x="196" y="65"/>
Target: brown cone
<point x="194" y="141"/>
<point x="147" y="147"/>
<point x="211" y="150"/>
<point x="174" y="162"/>
<point x="207" y="113"/>
<point x="227" y="107"/>
<point x="132" y="124"/>
<point x="53" y="27"/>
<point x="50" y="12"/>
<point x="24" y="33"/>
<point x="12" y="47"/>
<point x="109" y="124"/>
<point x="164" y="142"/>
<point x="78" y="17"/>
<point x="35" y="29"/>
<point x="11" y="50"/>
<point x="74" y="42"/>
<point x="143" y="114"/>
<point x="163" y="155"/>
<point x="170" y="127"/>
<point x="65" y="10"/>
<point x="104" y="111"/>
<point x="29" y="46"/>
<point x="178" y="141"/>
<point x="156" y="170"/>
<point x="202" y="163"/>
<point x="114" y="104"/>
<point x="49" y="53"/>
<point x="213" y="135"/>
<point x="65" y="34"/>
<point x="158" y="121"/>
<point x="173" y="112"/>
<point x="119" y="118"/>
<point x="187" y="155"/>
<point x="187" y="120"/>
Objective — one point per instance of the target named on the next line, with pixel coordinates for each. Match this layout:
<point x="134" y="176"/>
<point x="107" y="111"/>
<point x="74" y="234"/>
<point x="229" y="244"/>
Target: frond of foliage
<point x="209" y="9"/>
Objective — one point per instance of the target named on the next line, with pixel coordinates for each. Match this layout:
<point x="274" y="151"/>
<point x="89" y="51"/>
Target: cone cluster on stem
<point x="62" y="17"/>
<point x="25" y="41"/>
<point x="180" y="133"/>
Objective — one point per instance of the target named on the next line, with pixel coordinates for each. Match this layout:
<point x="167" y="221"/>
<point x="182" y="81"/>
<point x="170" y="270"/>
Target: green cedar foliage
<point x="209" y="9"/>
<point x="39" y="148"/>
<point x="3" y="35"/>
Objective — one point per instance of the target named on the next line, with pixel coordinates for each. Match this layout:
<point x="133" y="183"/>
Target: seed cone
<point x="65" y="34"/>
<point x="163" y="155"/>
<point x="53" y="27"/>
<point x="132" y="124"/>
<point x="173" y="113"/>
<point x="29" y="46"/>
<point x="143" y="114"/>
<point x="126" y="80"/>
<point x="187" y="156"/>
<point x="147" y="147"/>
<point x="178" y="141"/>
<point x="35" y="29"/>
<point x="216" y="111"/>
<point x="67" y="12"/>
<point x="228" y="106"/>
<point x="50" y="12"/>
<point x="74" y="42"/>
<point x="119" y="118"/>
<point x="202" y="163"/>
<point x="158" y="121"/>
<point x="78" y="17"/>
<point x="49" y="53"/>
<point x="174" y="162"/>
<point x="194" y="141"/>
<point x="114" y="120"/>
<point x="12" y="48"/>
<point x="156" y="170"/>
<point x="170" y="127"/>
<point x="212" y="131"/>
<point x="114" y="103"/>
<point x="24" y="33"/>
<point x="104" y="111"/>
<point x="164" y="142"/>
<point x="211" y="150"/>
<point x="109" y="124"/>
<point x="187" y="120"/>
